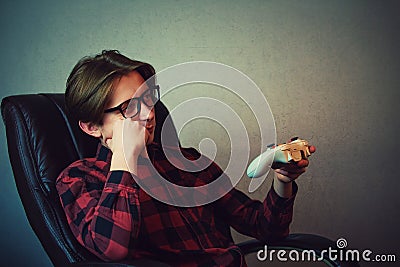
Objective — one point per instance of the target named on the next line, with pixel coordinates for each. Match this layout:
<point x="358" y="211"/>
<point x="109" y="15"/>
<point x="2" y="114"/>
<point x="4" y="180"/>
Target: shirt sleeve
<point x="266" y="221"/>
<point x="104" y="217"/>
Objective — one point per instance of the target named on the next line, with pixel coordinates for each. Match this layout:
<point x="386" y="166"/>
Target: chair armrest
<point x="134" y="263"/>
<point x="99" y="264"/>
<point x="300" y="242"/>
<point x="293" y="241"/>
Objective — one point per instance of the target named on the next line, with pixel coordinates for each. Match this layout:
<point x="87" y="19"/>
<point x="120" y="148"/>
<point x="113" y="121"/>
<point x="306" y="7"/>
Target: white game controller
<point x="295" y="150"/>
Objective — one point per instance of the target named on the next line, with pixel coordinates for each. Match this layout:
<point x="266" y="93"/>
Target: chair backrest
<point x="42" y="140"/>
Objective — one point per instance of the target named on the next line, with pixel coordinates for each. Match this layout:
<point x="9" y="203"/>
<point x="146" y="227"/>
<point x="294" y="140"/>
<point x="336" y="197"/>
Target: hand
<point x="126" y="148"/>
<point x="288" y="172"/>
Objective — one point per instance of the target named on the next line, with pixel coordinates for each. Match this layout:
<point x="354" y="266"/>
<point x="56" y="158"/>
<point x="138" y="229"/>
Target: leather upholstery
<point x="42" y="141"/>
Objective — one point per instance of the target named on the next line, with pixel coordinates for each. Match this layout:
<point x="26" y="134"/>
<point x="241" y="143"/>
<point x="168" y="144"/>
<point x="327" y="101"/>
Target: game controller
<point x="294" y="151"/>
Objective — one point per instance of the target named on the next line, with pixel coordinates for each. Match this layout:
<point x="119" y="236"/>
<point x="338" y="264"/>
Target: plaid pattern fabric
<point x="117" y="220"/>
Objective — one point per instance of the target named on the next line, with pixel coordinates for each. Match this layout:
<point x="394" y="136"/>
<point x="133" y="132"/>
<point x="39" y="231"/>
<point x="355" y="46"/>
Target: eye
<point x="130" y="107"/>
<point x="150" y="97"/>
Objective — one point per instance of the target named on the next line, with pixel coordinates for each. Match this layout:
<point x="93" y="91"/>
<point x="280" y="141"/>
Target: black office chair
<point x="42" y="140"/>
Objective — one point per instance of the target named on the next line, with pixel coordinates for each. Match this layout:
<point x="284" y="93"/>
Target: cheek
<point x="108" y="132"/>
<point x="107" y="128"/>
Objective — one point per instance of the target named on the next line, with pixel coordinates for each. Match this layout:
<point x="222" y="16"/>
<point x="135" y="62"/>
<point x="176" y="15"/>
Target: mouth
<point x="150" y="128"/>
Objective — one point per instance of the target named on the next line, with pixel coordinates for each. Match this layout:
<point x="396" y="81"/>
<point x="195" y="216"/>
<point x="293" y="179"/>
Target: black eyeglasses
<point x="131" y="107"/>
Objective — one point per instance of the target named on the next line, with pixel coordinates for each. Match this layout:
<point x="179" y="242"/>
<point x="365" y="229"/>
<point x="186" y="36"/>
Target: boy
<point x="117" y="220"/>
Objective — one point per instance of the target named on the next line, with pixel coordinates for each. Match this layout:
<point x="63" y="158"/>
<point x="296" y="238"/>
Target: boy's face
<point x="125" y="88"/>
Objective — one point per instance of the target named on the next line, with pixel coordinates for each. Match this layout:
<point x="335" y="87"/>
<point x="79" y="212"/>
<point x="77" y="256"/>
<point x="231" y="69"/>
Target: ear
<point x="90" y="128"/>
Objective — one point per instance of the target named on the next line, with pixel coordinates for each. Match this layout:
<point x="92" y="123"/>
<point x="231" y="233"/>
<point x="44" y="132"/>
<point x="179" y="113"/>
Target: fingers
<point x="127" y="134"/>
<point x="277" y="165"/>
<point x="302" y="163"/>
<point x="291" y="165"/>
<point x="292" y="170"/>
<point x="135" y="137"/>
<point x="292" y="174"/>
<point x="296" y="170"/>
<point x="311" y="148"/>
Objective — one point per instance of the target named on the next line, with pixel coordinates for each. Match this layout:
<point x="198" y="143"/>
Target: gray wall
<point x="329" y="69"/>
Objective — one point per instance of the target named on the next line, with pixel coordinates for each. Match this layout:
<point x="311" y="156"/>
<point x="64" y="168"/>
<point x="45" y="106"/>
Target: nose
<point x="146" y="113"/>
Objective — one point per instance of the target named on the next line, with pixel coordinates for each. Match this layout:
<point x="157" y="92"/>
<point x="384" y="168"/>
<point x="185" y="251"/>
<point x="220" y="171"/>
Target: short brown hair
<point x="90" y="84"/>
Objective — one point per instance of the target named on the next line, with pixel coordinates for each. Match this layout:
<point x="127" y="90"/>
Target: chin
<point x="149" y="139"/>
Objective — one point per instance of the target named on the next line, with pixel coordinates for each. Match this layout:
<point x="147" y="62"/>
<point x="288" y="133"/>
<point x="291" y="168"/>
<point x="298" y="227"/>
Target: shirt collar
<point x="103" y="153"/>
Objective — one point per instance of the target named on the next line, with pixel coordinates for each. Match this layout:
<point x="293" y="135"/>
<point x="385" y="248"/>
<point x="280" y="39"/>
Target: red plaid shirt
<point x="116" y="220"/>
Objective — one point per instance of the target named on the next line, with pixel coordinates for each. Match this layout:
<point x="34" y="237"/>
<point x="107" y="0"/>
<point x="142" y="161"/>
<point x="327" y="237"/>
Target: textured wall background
<point x="329" y="69"/>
